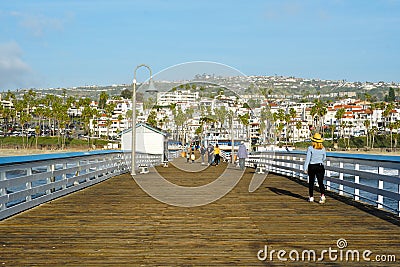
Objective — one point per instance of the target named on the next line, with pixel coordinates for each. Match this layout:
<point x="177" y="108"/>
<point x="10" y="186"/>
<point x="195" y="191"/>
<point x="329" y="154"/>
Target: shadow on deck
<point x="115" y="223"/>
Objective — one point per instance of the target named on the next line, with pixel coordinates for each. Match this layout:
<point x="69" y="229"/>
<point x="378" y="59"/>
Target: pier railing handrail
<point x="27" y="181"/>
<point x="338" y="175"/>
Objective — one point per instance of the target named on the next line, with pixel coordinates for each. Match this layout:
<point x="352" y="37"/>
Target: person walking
<point x="192" y="156"/>
<point x="314" y="166"/>
<point x="217" y="156"/>
<point x="188" y="152"/>
<point x="203" y="152"/>
<point x="210" y="154"/>
<point x="242" y="155"/>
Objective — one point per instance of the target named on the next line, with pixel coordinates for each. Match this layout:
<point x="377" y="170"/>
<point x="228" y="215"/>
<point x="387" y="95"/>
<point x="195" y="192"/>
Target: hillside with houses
<point x="263" y="110"/>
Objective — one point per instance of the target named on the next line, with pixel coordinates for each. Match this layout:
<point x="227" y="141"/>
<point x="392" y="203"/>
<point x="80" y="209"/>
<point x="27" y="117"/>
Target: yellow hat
<point x="317" y="138"/>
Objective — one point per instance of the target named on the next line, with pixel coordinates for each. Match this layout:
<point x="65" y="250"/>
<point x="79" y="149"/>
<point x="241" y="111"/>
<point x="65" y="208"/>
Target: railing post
<point x="28" y="185"/>
<point x="328" y="174"/>
<point x="341" y="165"/>
<point x="398" y="204"/>
<point x="51" y="178"/>
<point x="3" y="190"/>
<point x="380" y="186"/>
<point x="280" y="171"/>
<point x="301" y="174"/>
<point x="289" y="172"/>
<point x="103" y="167"/>
<point x="357" y="181"/>
<point x="64" y="176"/>
<point x="293" y="166"/>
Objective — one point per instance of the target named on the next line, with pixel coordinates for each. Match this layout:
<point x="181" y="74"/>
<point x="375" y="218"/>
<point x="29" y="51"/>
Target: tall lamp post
<point x="150" y="89"/>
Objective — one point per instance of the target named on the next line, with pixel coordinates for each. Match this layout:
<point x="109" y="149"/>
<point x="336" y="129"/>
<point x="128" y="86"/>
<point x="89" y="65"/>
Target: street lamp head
<point x="151" y="88"/>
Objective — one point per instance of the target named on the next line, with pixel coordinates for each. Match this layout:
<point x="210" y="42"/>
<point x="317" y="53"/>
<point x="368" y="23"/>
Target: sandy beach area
<point x="7" y="152"/>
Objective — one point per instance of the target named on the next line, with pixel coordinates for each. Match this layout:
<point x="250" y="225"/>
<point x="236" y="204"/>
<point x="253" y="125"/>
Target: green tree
<point x="24" y="118"/>
<point x="103" y="100"/>
<point x="298" y="126"/>
<point x="339" y="116"/>
<point x="126" y="94"/>
<point x="109" y="111"/>
<point x="293" y="115"/>
<point x="367" y="124"/>
<point x="245" y="120"/>
<point x="391" y="96"/>
<point x="152" y="118"/>
<point x="221" y="114"/>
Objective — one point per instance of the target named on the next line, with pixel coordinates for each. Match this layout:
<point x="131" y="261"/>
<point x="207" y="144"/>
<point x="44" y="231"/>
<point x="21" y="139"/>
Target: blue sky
<point x="48" y="43"/>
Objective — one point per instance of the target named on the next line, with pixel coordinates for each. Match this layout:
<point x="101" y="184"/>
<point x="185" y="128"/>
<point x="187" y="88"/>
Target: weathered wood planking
<point x="115" y="223"/>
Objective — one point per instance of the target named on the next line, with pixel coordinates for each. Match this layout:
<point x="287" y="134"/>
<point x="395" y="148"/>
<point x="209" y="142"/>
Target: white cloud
<point x="37" y="24"/>
<point x="14" y="72"/>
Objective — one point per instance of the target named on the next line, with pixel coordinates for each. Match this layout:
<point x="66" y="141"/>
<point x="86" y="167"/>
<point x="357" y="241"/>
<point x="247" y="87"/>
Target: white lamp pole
<point x="133" y="155"/>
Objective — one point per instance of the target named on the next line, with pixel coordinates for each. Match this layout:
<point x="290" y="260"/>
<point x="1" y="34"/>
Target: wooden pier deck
<point x="115" y="223"/>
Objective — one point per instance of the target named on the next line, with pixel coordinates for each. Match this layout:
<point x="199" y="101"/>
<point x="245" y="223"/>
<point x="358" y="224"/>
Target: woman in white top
<point x="314" y="166"/>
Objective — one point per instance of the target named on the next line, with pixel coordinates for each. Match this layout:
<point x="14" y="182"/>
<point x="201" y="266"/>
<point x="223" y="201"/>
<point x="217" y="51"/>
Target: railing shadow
<point x="370" y="209"/>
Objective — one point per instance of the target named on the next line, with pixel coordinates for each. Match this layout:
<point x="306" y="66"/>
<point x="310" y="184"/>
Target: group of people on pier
<point x="213" y="154"/>
<point x="313" y="164"/>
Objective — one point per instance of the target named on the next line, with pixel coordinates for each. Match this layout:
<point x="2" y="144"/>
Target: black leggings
<point x="319" y="171"/>
<point x="217" y="159"/>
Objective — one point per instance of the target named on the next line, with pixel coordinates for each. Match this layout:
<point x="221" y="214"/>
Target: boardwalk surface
<point x="115" y="223"/>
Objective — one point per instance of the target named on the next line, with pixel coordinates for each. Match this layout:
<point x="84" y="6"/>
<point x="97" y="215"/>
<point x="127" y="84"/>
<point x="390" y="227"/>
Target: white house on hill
<point x="148" y="140"/>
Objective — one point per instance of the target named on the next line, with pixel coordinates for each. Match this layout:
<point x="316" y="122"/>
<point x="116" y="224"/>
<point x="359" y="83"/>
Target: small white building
<point x="148" y="140"/>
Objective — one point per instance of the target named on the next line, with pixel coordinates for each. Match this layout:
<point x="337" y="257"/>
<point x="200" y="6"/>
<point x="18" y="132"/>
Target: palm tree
<point x="279" y="130"/>
<point x="374" y="130"/>
<point x="221" y="114"/>
<point x="129" y="115"/>
<point x="86" y="116"/>
<point x="37" y="133"/>
<point x="263" y="119"/>
<point x="24" y="118"/>
<point x="288" y="127"/>
<point x="313" y="113"/>
<point x="298" y="127"/>
<point x="397" y="127"/>
<point x="333" y="128"/>
<point x="245" y="120"/>
<point x="338" y="116"/>
<point x="120" y="118"/>
<point x="109" y="110"/>
<point x="293" y="115"/>
<point x="179" y="119"/>
<point x="322" y="111"/>
<point x="103" y="100"/>
<point x="318" y="112"/>
<point x="387" y="112"/>
<point x="392" y="126"/>
<point x="367" y="123"/>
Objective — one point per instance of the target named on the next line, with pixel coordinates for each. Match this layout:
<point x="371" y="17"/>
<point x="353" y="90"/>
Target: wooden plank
<point x="115" y="223"/>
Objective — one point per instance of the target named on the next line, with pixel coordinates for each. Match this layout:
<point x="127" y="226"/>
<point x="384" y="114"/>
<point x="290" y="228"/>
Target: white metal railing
<point x="374" y="179"/>
<point x="143" y="159"/>
<point x="225" y="156"/>
<point x="27" y="181"/>
<point x="174" y="154"/>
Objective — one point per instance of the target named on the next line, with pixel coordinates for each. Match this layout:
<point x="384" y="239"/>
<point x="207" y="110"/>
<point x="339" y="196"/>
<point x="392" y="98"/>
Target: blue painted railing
<point x="374" y="179"/>
<point x="27" y="181"/>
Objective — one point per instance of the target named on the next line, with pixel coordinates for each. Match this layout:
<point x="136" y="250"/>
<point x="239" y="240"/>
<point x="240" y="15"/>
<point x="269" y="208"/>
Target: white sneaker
<point x="311" y="199"/>
<point x="322" y="200"/>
